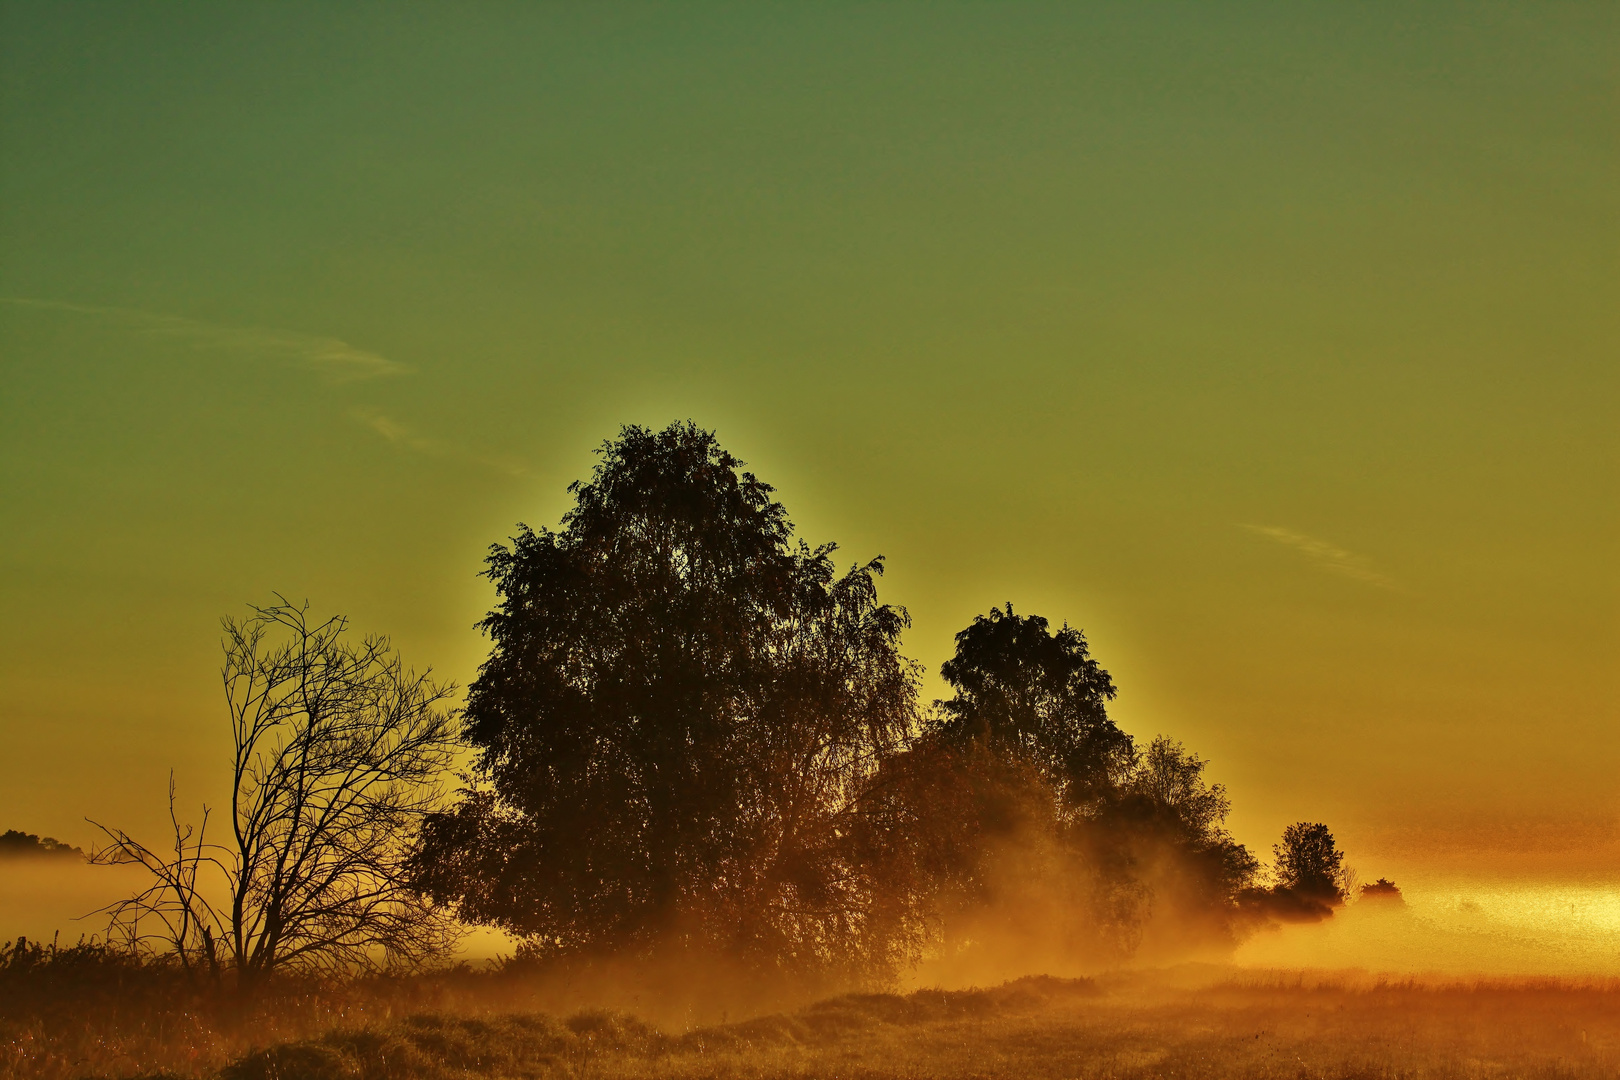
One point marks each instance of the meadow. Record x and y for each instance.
(1192, 1021)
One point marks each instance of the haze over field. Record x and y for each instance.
(1272, 346)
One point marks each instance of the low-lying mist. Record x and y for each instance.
(1028, 925)
(1045, 908)
(1458, 926)
(42, 898)
(1506, 975)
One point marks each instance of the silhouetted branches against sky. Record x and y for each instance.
(339, 750)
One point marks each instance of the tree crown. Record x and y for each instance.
(1308, 860)
(1024, 686)
(677, 707)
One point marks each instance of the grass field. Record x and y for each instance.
(1192, 1023)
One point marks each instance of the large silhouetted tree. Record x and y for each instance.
(1037, 692)
(677, 708)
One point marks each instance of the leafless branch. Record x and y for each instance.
(338, 751)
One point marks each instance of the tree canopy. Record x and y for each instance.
(14, 843)
(696, 732)
(696, 735)
(1309, 862)
(678, 705)
(1039, 692)
(1165, 821)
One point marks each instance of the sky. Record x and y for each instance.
(1273, 345)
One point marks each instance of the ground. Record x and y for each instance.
(1189, 1024)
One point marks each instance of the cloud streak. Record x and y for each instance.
(400, 435)
(1325, 556)
(332, 358)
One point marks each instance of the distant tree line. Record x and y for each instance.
(17, 844)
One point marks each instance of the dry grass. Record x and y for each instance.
(92, 1011)
(1191, 1023)
(1280, 1027)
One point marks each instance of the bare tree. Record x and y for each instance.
(339, 749)
(185, 921)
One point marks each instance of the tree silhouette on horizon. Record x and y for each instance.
(1309, 862)
(1039, 692)
(14, 843)
(677, 708)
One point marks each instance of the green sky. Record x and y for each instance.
(1273, 345)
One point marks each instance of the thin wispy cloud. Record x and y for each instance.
(1325, 556)
(334, 359)
(402, 436)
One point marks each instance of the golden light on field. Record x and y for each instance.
(1469, 927)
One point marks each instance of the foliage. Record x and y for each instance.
(696, 735)
(1040, 695)
(1383, 890)
(927, 829)
(1027, 800)
(1165, 799)
(338, 750)
(970, 842)
(17, 844)
(676, 712)
(1309, 862)
(1167, 782)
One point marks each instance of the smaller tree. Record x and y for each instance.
(1382, 891)
(1038, 694)
(1166, 802)
(1170, 778)
(1309, 862)
(338, 751)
